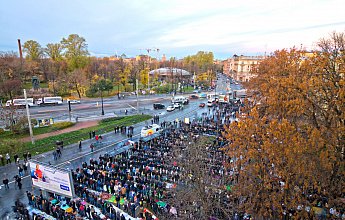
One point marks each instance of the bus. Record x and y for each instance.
(49, 101)
(214, 96)
(180, 99)
(20, 102)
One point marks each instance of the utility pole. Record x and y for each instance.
(137, 98)
(29, 120)
(194, 80)
(69, 109)
(148, 81)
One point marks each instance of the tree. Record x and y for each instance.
(10, 66)
(200, 192)
(101, 85)
(54, 51)
(77, 80)
(31, 69)
(11, 87)
(143, 76)
(75, 51)
(74, 46)
(33, 50)
(289, 152)
(10, 116)
(22, 125)
(124, 77)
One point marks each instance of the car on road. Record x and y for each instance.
(158, 106)
(170, 108)
(177, 105)
(201, 105)
(193, 97)
(210, 103)
(73, 101)
(203, 96)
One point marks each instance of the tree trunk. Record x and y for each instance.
(76, 86)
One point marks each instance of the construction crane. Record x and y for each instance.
(156, 49)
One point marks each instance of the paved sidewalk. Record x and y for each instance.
(79, 125)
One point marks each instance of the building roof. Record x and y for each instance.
(167, 71)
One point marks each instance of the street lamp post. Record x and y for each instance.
(102, 100)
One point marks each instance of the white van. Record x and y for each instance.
(180, 99)
(20, 102)
(210, 103)
(49, 101)
(150, 130)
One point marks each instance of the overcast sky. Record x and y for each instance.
(177, 27)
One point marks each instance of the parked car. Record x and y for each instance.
(74, 101)
(202, 105)
(193, 97)
(158, 106)
(177, 105)
(170, 108)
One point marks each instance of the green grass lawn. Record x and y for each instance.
(29, 85)
(36, 131)
(49, 143)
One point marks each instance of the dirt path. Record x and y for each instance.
(79, 125)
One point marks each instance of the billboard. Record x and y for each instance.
(51, 179)
(45, 122)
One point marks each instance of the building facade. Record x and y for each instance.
(240, 67)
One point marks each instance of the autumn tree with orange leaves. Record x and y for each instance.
(289, 153)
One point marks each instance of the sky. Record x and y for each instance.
(178, 28)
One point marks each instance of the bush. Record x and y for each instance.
(162, 89)
(62, 125)
(2, 131)
(22, 125)
(104, 120)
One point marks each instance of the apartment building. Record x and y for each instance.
(239, 67)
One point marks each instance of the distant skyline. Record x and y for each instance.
(177, 27)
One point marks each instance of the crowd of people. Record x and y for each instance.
(141, 180)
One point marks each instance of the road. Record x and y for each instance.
(72, 157)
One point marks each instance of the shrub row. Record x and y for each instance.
(62, 125)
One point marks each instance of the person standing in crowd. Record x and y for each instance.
(93, 134)
(91, 146)
(2, 160)
(25, 156)
(55, 154)
(5, 182)
(8, 158)
(15, 157)
(79, 144)
(90, 135)
(29, 155)
(20, 170)
(25, 167)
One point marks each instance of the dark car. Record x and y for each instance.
(158, 106)
(193, 97)
(202, 105)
